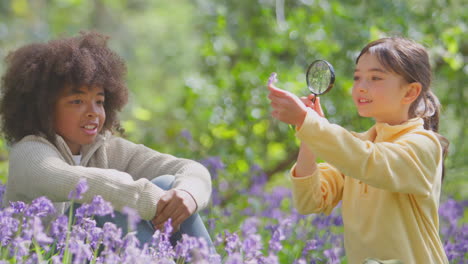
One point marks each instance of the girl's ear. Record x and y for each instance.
(412, 92)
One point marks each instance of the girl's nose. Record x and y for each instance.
(362, 87)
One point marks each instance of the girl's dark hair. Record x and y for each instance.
(36, 73)
(411, 61)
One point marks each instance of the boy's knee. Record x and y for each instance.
(164, 182)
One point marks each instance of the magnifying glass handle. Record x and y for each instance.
(313, 99)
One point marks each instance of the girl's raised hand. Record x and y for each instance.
(317, 106)
(287, 107)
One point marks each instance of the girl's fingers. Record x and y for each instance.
(306, 101)
(318, 107)
(277, 91)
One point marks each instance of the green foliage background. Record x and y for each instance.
(201, 66)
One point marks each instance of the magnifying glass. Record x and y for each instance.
(320, 77)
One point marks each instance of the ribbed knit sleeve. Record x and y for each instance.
(37, 169)
(144, 163)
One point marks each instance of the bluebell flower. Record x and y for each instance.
(252, 246)
(250, 226)
(450, 211)
(80, 189)
(18, 207)
(111, 238)
(133, 218)
(333, 255)
(98, 207)
(59, 230)
(8, 226)
(19, 247)
(57, 259)
(235, 258)
(275, 241)
(95, 237)
(108, 256)
(232, 242)
(183, 247)
(258, 180)
(161, 241)
(40, 207)
(214, 165)
(38, 232)
(80, 250)
(187, 135)
(300, 261)
(192, 249)
(270, 259)
(32, 259)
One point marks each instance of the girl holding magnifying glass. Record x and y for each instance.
(388, 178)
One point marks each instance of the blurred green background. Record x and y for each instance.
(197, 69)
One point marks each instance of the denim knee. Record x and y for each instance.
(164, 182)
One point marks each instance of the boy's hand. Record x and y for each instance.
(287, 107)
(176, 204)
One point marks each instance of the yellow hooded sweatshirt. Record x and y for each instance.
(389, 181)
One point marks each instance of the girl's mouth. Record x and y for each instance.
(364, 101)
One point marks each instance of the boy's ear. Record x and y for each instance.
(412, 92)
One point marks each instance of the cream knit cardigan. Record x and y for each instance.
(117, 169)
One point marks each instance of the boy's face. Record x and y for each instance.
(79, 115)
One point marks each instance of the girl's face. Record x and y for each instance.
(79, 115)
(379, 93)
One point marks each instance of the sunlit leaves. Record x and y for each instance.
(20, 7)
(201, 66)
(142, 114)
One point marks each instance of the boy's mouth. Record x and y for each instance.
(90, 129)
(90, 126)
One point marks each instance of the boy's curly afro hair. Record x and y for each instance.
(37, 72)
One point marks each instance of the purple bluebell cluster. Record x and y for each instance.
(257, 225)
(454, 230)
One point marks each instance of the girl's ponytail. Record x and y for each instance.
(428, 108)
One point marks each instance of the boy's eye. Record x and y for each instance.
(356, 78)
(77, 101)
(376, 78)
(100, 102)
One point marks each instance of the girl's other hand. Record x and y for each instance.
(287, 107)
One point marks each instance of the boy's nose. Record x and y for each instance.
(92, 110)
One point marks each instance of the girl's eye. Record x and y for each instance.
(77, 101)
(356, 78)
(376, 78)
(100, 102)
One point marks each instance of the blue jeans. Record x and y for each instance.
(192, 226)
